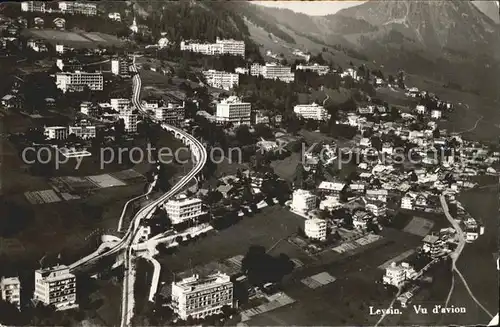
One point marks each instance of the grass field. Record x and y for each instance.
(74, 39)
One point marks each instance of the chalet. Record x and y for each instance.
(378, 195)
(10, 101)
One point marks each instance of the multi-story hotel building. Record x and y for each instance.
(311, 111)
(183, 209)
(232, 110)
(56, 286)
(119, 104)
(120, 66)
(199, 297)
(10, 288)
(33, 6)
(82, 8)
(130, 119)
(397, 275)
(319, 69)
(84, 132)
(55, 132)
(315, 229)
(171, 114)
(273, 71)
(37, 45)
(88, 108)
(303, 200)
(221, 80)
(76, 81)
(232, 47)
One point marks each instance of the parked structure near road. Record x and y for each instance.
(10, 288)
(200, 297)
(56, 286)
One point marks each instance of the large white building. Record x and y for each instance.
(37, 45)
(130, 119)
(319, 69)
(315, 229)
(232, 110)
(199, 297)
(10, 288)
(87, 108)
(55, 132)
(232, 47)
(76, 81)
(221, 80)
(172, 114)
(119, 104)
(120, 66)
(183, 209)
(83, 132)
(273, 71)
(56, 286)
(397, 275)
(82, 8)
(303, 200)
(33, 6)
(311, 111)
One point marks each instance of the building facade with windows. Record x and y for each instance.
(55, 132)
(311, 111)
(318, 69)
(83, 132)
(221, 80)
(315, 229)
(119, 104)
(183, 209)
(199, 297)
(273, 71)
(120, 66)
(232, 110)
(82, 8)
(172, 114)
(33, 6)
(397, 275)
(10, 288)
(56, 286)
(221, 46)
(78, 80)
(303, 200)
(130, 119)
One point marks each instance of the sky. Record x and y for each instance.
(313, 8)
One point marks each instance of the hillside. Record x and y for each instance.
(489, 8)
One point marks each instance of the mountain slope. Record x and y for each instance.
(489, 8)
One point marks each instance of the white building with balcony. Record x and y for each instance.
(221, 80)
(199, 297)
(130, 119)
(55, 132)
(397, 275)
(303, 201)
(273, 71)
(56, 286)
(315, 229)
(83, 132)
(311, 111)
(119, 104)
(33, 6)
(221, 46)
(81, 8)
(10, 289)
(232, 110)
(76, 81)
(318, 69)
(436, 114)
(183, 209)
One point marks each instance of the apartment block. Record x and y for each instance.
(56, 286)
(171, 114)
(397, 275)
(315, 229)
(221, 80)
(119, 104)
(130, 119)
(55, 132)
(33, 6)
(232, 110)
(10, 288)
(183, 209)
(221, 46)
(88, 108)
(120, 66)
(311, 111)
(303, 200)
(273, 71)
(318, 69)
(78, 80)
(81, 8)
(199, 297)
(37, 45)
(83, 132)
